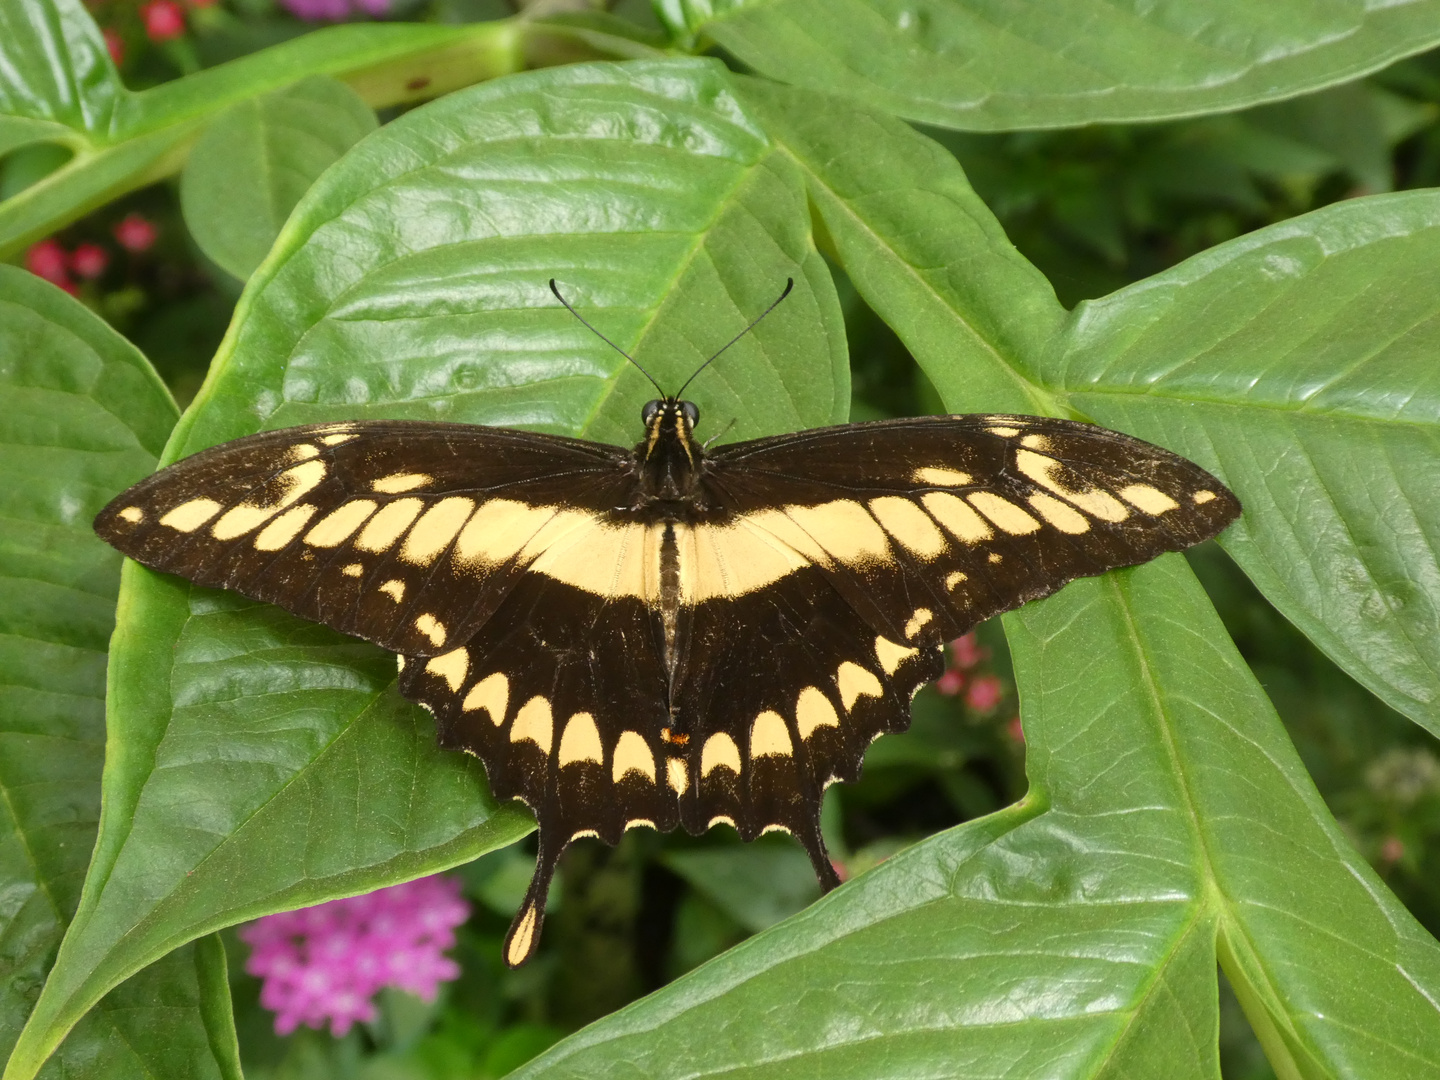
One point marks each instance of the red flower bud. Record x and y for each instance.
(89, 261)
(164, 20)
(47, 260)
(134, 232)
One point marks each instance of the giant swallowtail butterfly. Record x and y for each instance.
(664, 636)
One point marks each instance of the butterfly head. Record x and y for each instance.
(668, 423)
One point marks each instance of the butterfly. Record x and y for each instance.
(665, 635)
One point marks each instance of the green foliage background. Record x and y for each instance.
(1158, 238)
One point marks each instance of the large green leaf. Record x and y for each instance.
(1075, 934)
(1299, 361)
(83, 413)
(254, 162)
(1294, 362)
(993, 65)
(258, 762)
(57, 84)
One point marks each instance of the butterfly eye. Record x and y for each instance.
(692, 414)
(648, 412)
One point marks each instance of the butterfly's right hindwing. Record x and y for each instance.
(406, 534)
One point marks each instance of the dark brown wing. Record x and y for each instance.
(405, 534)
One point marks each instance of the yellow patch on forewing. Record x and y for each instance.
(395, 483)
(133, 514)
(677, 775)
(492, 694)
(189, 516)
(581, 741)
(342, 435)
(813, 710)
(954, 578)
(776, 524)
(891, 655)
(733, 560)
(855, 682)
(720, 750)
(354, 569)
(1096, 502)
(582, 550)
(284, 528)
(1004, 513)
(1036, 442)
(845, 529)
(395, 589)
(382, 530)
(919, 619)
(298, 482)
(432, 628)
(911, 526)
(1061, 515)
(632, 755)
(769, 737)
(957, 516)
(498, 530)
(940, 476)
(335, 527)
(1149, 499)
(1203, 497)
(452, 667)
(304, 451)
(533, 722)
(524, 934)
(436, 528)
(1004, 431)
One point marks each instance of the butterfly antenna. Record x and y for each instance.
(789, 284)
(602, 337)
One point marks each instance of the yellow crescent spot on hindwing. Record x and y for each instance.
(720, 751)
(395, 589)
(855, 682)
(891, 655)
(581, 741)
(492, 694)
(452, 666)
(919, 619)
(813, 710)
(534, 723)
(769, 736)
(632, 755)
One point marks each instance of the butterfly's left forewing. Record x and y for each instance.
(406, 534)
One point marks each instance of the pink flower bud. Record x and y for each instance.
(134, 232)
(115, 45)
(164, 20)
(89, 261)
(1392, 850)
(48, 260)
(984, 693)
(950, 683)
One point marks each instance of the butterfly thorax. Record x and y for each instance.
(668, 464)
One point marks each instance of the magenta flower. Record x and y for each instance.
(327, 962)
(333, 10)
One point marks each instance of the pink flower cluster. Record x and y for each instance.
(982, 692)
(334, 10)
(327, 962)
(49, 259)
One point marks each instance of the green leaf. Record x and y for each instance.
(57, 84)
(84, 413)
(1293, 362)
(1074, 935)
(259, 762)
(756, 886)
(981, 66)
(255, 161)
(1297, 362)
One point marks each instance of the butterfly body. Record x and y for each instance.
(664, 636)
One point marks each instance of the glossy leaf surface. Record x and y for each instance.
(254, 162)
(260, 762)
(983, 65)
(83, 412)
